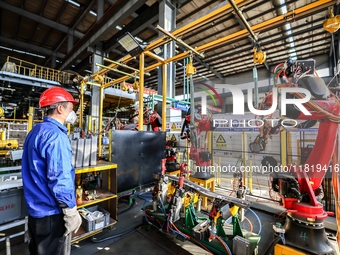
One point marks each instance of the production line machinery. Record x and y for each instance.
(298, 185)
(176, 211)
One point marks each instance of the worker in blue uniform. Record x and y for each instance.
(48, 177)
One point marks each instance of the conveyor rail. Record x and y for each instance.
(206, 192)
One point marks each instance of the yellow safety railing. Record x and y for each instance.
(22, 67)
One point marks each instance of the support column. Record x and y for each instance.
(97, 57)
(100, 8)
(167, 20)
(95, 102)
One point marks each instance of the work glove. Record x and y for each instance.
(72, 220)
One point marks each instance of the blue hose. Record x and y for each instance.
(258, 219)
(145, 198)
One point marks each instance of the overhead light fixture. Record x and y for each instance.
(74, 3)
(119, 27)
(158, 50)
(93, 13)
(130, 44)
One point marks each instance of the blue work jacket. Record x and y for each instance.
(47, 171)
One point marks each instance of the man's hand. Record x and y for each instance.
(72, 220)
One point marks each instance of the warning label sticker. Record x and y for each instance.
(173, 138)
(221, 142)
(220, 139)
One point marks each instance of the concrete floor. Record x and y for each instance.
(138, 241)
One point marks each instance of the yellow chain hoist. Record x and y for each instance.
(332, 24)
(135, 84)
(259, 56)
(124, 87)
(190, 69)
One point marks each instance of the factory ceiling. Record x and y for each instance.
(63, 34)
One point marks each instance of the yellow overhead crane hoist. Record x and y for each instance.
(190, 69)
(124, 87)
(332, 24)
(259, 56)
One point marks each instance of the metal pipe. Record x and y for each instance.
(243, 19)
(8, 245)
(256, 88)
(81, 104)
(283, 142)
(89, 124)
(164, 97)
(154, 56)
(110, 145)
(188, 47)
(101, 99)
(126, 66)
(30, 119)
(118, 71)
(141, 92)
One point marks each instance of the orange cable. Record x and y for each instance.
(250, 224)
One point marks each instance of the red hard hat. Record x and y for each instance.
(55, 95)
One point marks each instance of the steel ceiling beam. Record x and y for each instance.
(213, 14)
(40, 19)
(217, 33)
(298, 13)
(17, 27)
(274, 53)
(195, 11)
(80, 17)
(137, 25)
(26, 47)
(246, 47)
(219, 11)
(275, 22)
(105, 25)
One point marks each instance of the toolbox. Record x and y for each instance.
(90, 222)
(12, 203)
